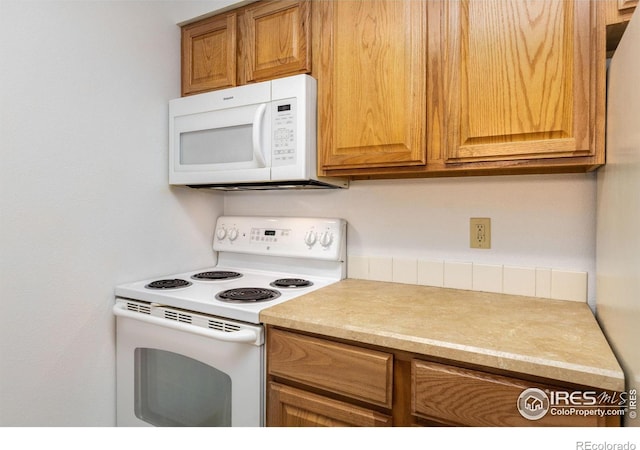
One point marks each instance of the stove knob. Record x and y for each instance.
(221, 233)
(326, 239)
(310, 238)
(233, 234)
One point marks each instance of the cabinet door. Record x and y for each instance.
(209, 54)
(518, 80)
(291, 407)
(275, 40)
(371, 71)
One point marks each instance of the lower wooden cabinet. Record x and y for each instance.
(317, 381)
(291, 407)
(346, 370)
(455, 396)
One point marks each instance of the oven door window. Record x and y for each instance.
(175, 390)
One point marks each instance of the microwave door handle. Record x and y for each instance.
(258, 118)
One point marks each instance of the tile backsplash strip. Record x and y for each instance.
(530, 281)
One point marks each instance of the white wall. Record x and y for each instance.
(84, 199)
(188, 11)
(537, 220)
(618, 219)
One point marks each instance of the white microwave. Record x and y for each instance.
(258, 136)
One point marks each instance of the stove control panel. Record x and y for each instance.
(270, 236)
(296, 237)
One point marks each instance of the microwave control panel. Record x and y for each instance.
(284, 132)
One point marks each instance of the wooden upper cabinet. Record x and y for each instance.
(370, 62)
(617, 14)
(275, 40)
(518, 80)
(618, 11)
(258, 42)
(209, 54)
(626, 4)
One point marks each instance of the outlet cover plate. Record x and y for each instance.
(480, 232)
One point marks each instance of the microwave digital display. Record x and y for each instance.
(284, 107)
(269, 232)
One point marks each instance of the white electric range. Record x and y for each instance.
(198, 333)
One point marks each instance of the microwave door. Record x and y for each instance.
(223, 146)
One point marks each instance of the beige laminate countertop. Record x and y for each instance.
(554, 339)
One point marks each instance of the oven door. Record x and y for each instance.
(174, 373)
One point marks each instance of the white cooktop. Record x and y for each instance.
(200, 295)
(263, 250)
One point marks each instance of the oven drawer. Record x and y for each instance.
(343, 369)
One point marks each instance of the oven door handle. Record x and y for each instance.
(240, 336)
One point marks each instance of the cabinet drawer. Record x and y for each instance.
(348, 370)
(291, 407)
(457, 396)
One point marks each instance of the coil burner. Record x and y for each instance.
(216, 275)
(245, 295)
(174, 283)
(291, 283)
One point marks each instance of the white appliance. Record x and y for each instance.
(190, 346)
(258, 136)
(618, 216)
